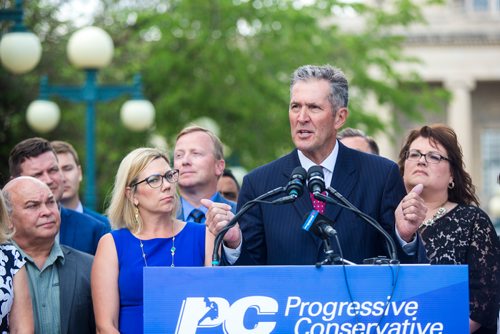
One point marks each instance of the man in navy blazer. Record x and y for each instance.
(273, 234)
(71, 168)
(199, 157)
(35, 157)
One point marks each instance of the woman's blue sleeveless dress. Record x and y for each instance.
(189, 252)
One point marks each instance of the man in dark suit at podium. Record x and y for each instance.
(273, 234)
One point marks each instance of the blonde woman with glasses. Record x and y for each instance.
(455, 230)
(146, 233)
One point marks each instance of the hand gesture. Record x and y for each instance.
(217, 217)
(410, 213)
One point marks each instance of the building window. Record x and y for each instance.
(490, 147)
(480, 5)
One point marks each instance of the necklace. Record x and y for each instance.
(439, 213)
(172, 249)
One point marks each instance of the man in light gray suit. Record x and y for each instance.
(59, 276)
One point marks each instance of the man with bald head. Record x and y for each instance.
(35, 157)
(59, 276)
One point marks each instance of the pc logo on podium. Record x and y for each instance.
(211, 312)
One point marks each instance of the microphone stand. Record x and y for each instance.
(348, 205)
(220, 236)
(331, 257)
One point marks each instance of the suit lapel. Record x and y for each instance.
(67, 283)
(303, 204)
(66, 231)
(344, 178)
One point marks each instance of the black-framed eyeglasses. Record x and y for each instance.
(430, 157)
(156, 180)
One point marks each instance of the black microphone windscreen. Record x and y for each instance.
(299, 173)
(315, 179)
(297, 181)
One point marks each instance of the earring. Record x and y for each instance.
(136, 213)
(451, 185)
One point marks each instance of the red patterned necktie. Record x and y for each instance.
(317, 205)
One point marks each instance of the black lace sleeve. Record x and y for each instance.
(483, 258)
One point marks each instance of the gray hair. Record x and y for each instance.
(339, 86)
(7, 201)
(350, 132)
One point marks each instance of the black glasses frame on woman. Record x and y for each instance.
(429, 157)
(156, 180)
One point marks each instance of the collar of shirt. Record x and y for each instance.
(56, 254)
(328, 164)
(79, 207)
(187, 207)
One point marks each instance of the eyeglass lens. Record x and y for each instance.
(430, 157)
(156, 181)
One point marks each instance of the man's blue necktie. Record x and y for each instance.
(196, 216)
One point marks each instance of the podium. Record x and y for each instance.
(376, 299)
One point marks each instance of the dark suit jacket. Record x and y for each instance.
(80, 231)
(77, 313)
(98, 216)
(273, 234)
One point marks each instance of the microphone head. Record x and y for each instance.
(315, 179)
(299, 173)
(318, 224)
(297, 181)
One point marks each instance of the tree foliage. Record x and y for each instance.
(227, 60)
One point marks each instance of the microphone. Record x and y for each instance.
(348, 205)
(316, 180)
(294, 188)
(319, 225)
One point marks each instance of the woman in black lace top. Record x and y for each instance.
(456, 230)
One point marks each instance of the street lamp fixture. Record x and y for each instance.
(90, 49)
(20, 50)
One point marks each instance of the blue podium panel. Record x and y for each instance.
(406, 299)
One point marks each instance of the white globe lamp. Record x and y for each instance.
(90, 48)
(20, 52)
(137, 115)
(43, 116)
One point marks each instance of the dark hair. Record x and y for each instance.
(339, 86)
(28, 148)
(373, 145)
(229, 173)
(464, 191)
(350, 132)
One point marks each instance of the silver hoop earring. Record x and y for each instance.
(451, 185)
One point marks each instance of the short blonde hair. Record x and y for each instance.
(121, 208)
(218, 147)
(5, 231)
